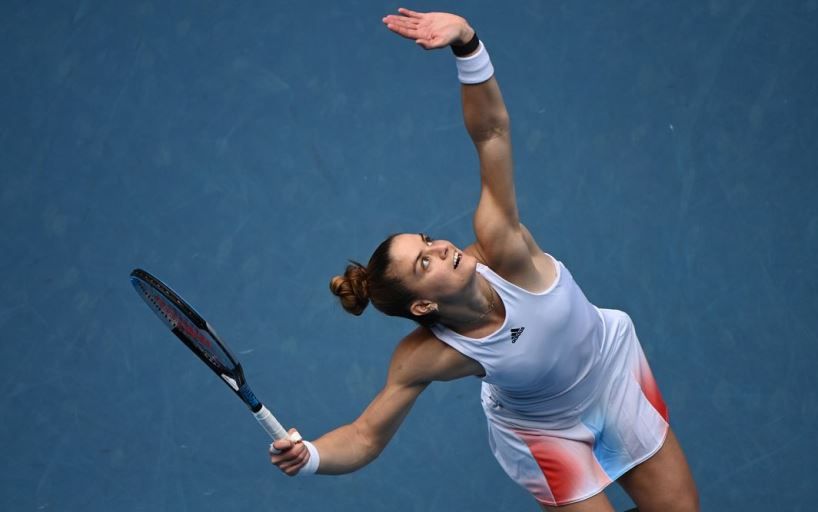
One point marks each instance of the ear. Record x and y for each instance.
(422, 307)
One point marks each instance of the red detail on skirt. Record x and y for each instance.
(569, 467)
(651, 389)
(562, 473)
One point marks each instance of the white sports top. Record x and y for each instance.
(540, 363)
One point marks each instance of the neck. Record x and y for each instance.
(482, 307)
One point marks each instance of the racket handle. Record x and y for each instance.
(270, 424)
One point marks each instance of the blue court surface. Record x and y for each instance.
(243, 151)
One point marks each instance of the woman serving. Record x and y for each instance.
(569, 397)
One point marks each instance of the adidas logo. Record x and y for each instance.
(516, 333)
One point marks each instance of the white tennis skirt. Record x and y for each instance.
(626, 425)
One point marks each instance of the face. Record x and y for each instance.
(434, 270)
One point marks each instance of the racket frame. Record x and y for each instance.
(191, 335)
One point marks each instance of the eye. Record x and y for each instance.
(424, 263)
(428, 239)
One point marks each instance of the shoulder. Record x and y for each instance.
(519, 260)
(516, 247)
(421, 358)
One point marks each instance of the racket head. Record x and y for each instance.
(191, 329)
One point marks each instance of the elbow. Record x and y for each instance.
(496, 126)
(371, 451)
(500, 124)
(370, 445)
(503, 121)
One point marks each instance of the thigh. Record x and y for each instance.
(663, 482)
(598, 503)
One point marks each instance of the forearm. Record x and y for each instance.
(355, 445)
(344, 450)
(484, 111)
(487, 122)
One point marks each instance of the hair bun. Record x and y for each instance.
(352, 288)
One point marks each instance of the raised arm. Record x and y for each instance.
(496, 219)
(418, 360)
(502, 242)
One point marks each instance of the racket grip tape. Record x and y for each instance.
(270, 424)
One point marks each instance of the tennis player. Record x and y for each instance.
(569, 397)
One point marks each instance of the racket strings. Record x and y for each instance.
(150, 297)
(185, 323)
(171, 295)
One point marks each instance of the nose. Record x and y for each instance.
(439, 248)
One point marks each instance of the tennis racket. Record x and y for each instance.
(199, 336)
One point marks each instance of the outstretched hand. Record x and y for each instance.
(429, 29)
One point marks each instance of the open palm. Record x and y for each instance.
(429, 29)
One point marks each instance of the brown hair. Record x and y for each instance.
(359, 285)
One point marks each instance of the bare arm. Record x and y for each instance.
(419, 359)
(502, 242)
(355, 445)
(496, 219)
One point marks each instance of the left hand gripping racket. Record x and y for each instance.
(200, 337)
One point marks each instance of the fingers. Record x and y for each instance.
(402, 26)
(396, 22)
(294, 435)
(401, 20)
(282, 445)
(289, 457)
(293, 466)
(404, 32)
(411, 14)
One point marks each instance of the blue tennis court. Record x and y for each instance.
(244, 151)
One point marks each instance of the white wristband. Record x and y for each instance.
(476, 68)
(312, 463)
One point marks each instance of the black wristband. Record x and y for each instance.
(461, 50)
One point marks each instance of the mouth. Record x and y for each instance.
(456, 259)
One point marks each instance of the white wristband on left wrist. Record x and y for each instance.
(476, 68)
(312, 463)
